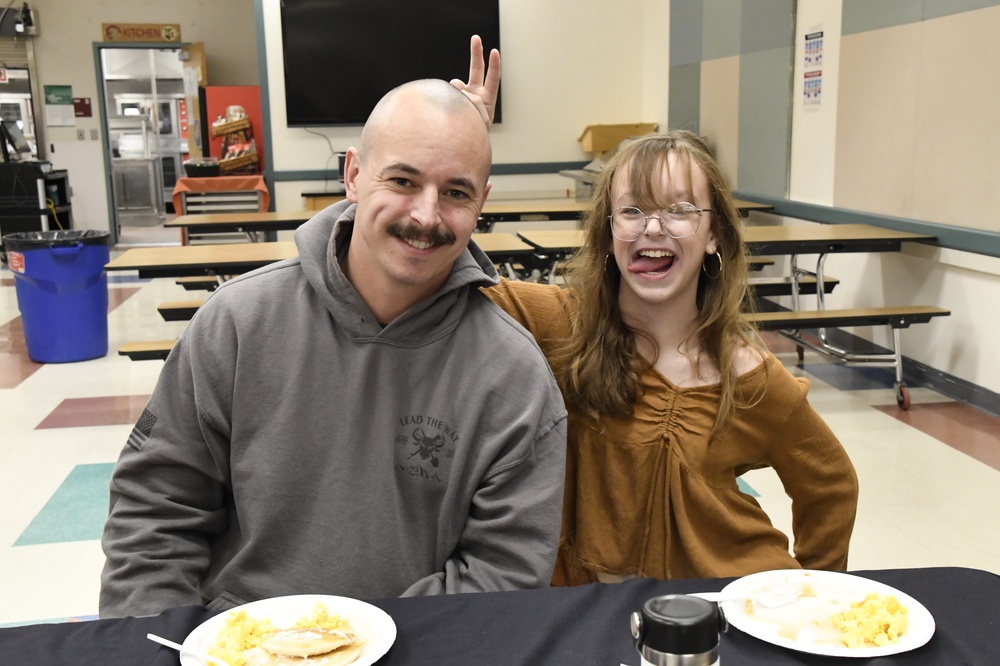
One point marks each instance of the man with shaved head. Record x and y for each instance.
(419, 179)
(359, 421)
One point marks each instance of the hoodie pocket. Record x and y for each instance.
(225, 601)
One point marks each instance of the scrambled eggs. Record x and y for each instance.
(243, 632)
(878, 620)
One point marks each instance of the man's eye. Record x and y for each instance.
(458, 194)
(400, 181)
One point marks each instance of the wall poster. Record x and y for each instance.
(812, 71)
(59, 106)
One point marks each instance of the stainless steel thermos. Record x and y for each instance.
(678, 630)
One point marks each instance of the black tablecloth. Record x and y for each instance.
(573, 626)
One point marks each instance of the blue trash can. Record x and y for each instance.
(62, 292)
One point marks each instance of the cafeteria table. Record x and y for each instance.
(768, 239)
(771, 239)
(499, 210)
(495, 210)
(587, 625)
(248, 223)
(191, 260)
(507, 250)
(525, 210)
(235, 258)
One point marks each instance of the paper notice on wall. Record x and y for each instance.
(812, 89)
(59, 109)
(192, 75)
(812, 71)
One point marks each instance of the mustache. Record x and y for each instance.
(436, 235)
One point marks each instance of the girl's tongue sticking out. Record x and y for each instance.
(651, 261)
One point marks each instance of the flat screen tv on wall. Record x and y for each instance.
(341, 56)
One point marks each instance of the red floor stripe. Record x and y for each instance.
(100, 411)
(961, 427)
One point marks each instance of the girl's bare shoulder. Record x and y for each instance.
(747, 358)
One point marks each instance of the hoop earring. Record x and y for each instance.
(716, 276)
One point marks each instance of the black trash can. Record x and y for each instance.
(62, 292)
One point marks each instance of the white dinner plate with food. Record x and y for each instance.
(807, 624)
(367, 631)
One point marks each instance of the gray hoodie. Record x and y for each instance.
(294, 445)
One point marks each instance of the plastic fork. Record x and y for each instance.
(200, 656)
(782, 595)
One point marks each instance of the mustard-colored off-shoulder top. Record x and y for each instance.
(647, 495)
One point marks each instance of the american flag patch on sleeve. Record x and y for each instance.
(142, 429)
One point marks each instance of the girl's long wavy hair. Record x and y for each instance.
(600, 366)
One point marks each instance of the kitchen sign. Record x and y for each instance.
(141, 32)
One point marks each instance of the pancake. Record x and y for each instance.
(305, 642)
(339, 657)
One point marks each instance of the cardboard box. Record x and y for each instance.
(602, 138)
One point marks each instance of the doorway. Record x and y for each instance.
(17, 113)
(144, 112)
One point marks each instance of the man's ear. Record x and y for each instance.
(486, 193)
(352, 167)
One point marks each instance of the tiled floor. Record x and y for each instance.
(928, 476)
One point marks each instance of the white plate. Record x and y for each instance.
(285, 611)
(803, 625)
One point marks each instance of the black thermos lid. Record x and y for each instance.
(679, 624)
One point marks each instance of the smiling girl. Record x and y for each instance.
(671, 394)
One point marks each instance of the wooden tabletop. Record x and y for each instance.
(185, 260)
(270, 221)
(767, 239)
(826, 238)
(504, 208)
(501, 210)
(235, 258)
(494, 210)
(744, 207)
(497, 242)
(554, 240)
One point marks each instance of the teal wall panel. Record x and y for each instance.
(939, 8)
(684, 111)
(766, 25)
(685, 32)
(721, 25)
(761, 33)
(866, 15)
(765, 121)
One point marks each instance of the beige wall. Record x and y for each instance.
(908, 130)
(918, 108)
(566, 63)
(720, 112)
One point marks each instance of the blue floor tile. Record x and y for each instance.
(745, 488)
(76, 511)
